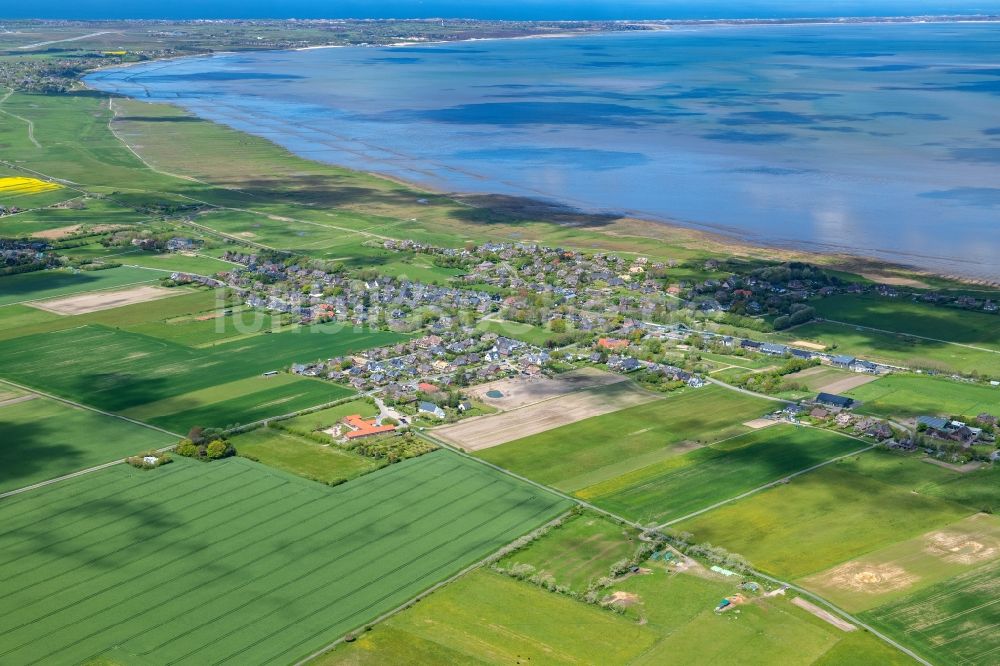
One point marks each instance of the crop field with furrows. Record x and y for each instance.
(116, 370)
(680, 485)
(953, 623)
(232, 562)
(604, 447)
(43, 438)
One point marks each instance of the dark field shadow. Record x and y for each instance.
(160, 119)
(507, 209)
(14, 285)
(118, 391)
(31, 453)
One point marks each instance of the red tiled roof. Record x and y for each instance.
(363, 428)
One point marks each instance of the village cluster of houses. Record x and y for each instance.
(317, 295)
(572, 275)
(465, 357)
(24, 252)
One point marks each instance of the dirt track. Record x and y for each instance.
(489, 431)
(848, 383)
(826, 616)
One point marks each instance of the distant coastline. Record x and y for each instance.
(909, 260)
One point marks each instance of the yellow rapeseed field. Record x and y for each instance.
(18, 185)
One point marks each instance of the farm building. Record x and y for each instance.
(951, 430)
(842, 361)
(362, 428)
(841, 401)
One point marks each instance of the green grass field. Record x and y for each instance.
(533, 335)
(207, 329)
(904, 568)
(298, 455)
(603, 447)
(324, 418)
(579, 551)
(52, 283)
(904, 396)
(116, 370)
(93, 212)
(905, 316)
(231, 561)
(978, 490)
(44, 438)
(22, 320)
(486, 618)
(276, 400)
(822, 518)
(896, 348)
(677, 486)
(951, 623)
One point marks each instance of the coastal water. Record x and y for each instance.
(876, 139)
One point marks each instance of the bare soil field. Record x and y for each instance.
(757, 424)
(805, 344)
(496, 429)
(848, 383)
(520, 391)
(870, 577)
(909, 566)
(826, 616)
(103, 300)
(62, 232)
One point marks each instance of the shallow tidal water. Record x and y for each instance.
(879, 140)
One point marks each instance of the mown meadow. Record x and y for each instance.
(677, 486)
(604, 447)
